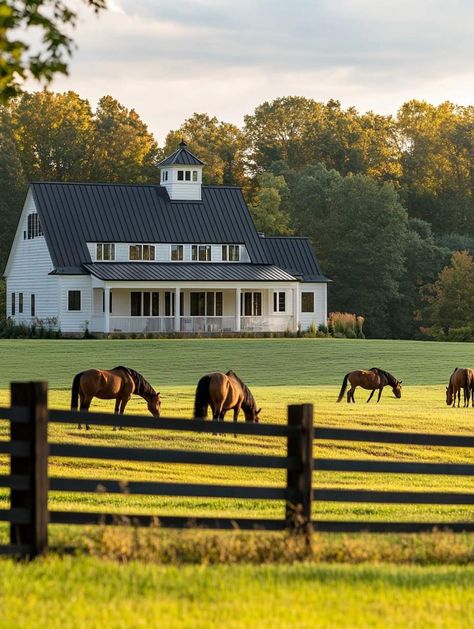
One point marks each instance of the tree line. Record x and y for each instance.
(386, 200)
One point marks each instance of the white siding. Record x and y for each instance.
(183, 190)
(319, 316)
(75, 321)
(27, 272)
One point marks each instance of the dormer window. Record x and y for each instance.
(230, 253)
(195, 175)
(164, 175)
(141, 252)
(177, 253)
(201, 253)
(105, 251)
(34, 226)
(180, 175)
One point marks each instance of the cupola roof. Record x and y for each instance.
(182, 157)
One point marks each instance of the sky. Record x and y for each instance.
(170, 58)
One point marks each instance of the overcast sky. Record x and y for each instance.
(171, 58)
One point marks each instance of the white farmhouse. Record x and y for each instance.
(175, 257)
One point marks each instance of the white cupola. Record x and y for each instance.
(181, 175)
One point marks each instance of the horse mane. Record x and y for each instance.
(249, 401)
(142, 386)
(392, 381)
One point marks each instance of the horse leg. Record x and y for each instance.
(117, 408)
(85, 404)
(236, 414)
(350, 395)
(123, 404)
(371, 396)
(380, 394)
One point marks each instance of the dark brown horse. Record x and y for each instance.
(118, 383)
(373, 379)
(224, 392)
(462, 379)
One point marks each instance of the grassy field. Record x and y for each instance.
(95, 591)
(85, 592)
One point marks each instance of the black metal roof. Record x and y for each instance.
(295, 255)
(182, 272)
(73, 214)
(182, 157)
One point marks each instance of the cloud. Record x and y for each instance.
(168, 59)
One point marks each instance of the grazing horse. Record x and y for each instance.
(461, 379)
(223, 392)
(119, 383)
(369, 379)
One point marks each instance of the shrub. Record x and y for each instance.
(346, 324)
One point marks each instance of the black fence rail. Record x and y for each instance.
(392, 467)
(28, 449)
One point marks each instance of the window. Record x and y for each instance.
(164, 175)
(135, 304)
(142, 252)
(169, 303)
(110, 302)
(251, 304)
(230, 253)
(180, 175)
(74, 300)
(177, 252)
(279, 301)
(206, 304)
(13, 304)
(33, 306)
(105, 251)
(201, 253)
(144, 304)
(307, 302)
(20, 303)
(187, 175)
(34, 226)
(195, 175)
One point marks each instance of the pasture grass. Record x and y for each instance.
(127, 577)
(86, 592)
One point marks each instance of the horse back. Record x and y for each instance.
(224, 391)
(106, 384)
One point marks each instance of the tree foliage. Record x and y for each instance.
(51, 18)
(452, 295)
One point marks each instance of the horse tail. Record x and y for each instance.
(75, 391)
(201, 399)
(344, 387)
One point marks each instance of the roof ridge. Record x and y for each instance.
(135, 185)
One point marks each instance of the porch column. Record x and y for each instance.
(107, 309)
(177, 310)
(237, 309)
(296, 311)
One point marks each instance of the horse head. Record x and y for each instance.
(252, 414)
(154, 404)
(397, 389)
(449, 396)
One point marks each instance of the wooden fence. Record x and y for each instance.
(29, 482)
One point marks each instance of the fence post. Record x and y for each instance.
(300, 445)
(34, 533)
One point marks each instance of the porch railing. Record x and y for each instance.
(141, 325)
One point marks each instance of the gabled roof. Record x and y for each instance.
(73, 214)
(182, 272)
(182, 156)
(294, 255)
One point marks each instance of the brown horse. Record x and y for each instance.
(370, 379)
(119, 383)
(223, 392)
(461, 379)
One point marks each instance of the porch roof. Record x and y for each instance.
(182, 272)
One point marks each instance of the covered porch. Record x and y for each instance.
(148, 308)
